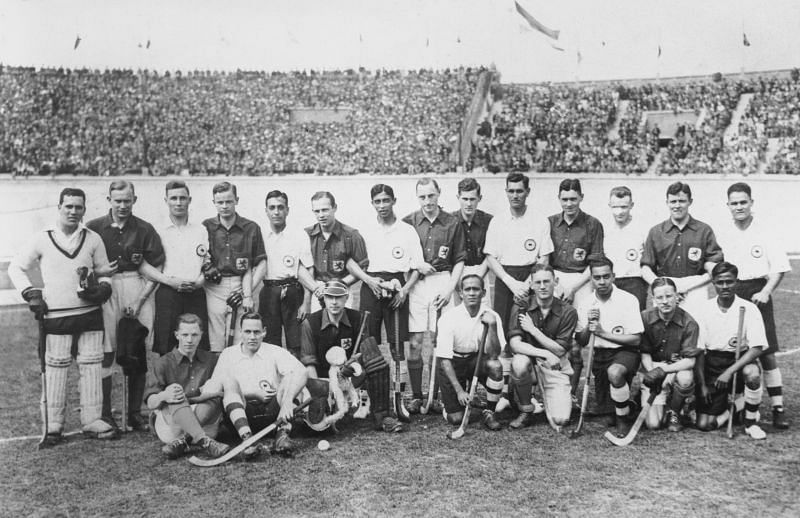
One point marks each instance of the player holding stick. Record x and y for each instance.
(714, 369)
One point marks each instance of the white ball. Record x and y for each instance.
(323, 445)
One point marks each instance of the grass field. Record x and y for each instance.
(420, 473)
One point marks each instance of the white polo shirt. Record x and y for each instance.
(518, 241)
(461, 333)
(286, 251)
(624, 246)
(618, 315)
(394, 248)
(718, 328)
(756, 250)
(258, 376)
(185, 249)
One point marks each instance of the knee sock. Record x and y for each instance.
(378, 389)
(506, 363)
(493, 391)
(522, 388)
(620, 396)
(238, 417)
(752, 399)
(774, 382)
(415, 377)
(106, 383)
(136, 384)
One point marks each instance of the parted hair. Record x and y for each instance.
(661, 282)
(428, 181)
(538, 267)
(224, 187)
(188, 318)
(71, 191)
(251, 315)
(121, 185)
(468, 185)
(724, 267)
(277, 194)
(176, 184)
(600, 262)
(570, 184)
(471, 276)
(379, 188)
(620, 191)
(740, 187)
(324, 194)
(679, 187)
(518, 177)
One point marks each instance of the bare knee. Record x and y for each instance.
(617, 375)
(494, 369)
(684, 379)
(455, 418)
(654, 417)
(706, 423)
(752, 376)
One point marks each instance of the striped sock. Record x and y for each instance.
(774, 382)
(752, 399)
(238, 417)
(493, 391)
(620, 396)
(505, 361)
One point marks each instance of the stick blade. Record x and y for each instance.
(400, 408)
(616, 441)
(457, 434)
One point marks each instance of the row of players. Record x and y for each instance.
(407, 268)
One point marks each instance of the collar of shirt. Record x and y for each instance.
(316, 229)
(236, 222)
(419, 217)
(67, 241)
(241, 355)
(108, 222)
(577, 221)
(480, 218)
(556, 308)
(180, 357)
(668, 225)
(326, 322)
(651, 317)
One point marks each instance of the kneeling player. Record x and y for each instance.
(181, 413)
(714, 370)
(261, 382)
(337, 326)
(669, 348)
(460, 331)
(542, 333)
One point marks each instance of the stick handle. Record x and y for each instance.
(739, 338)
(474, 383)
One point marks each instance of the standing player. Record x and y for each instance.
(72, 318)
(260, 382)
(669, 348)
(714, 369)
(338, 249)
(612, 315)
(457, 343)
(283, 303)
(132, 245)
(335, 325)
(475, 223)
(180, 414)
(237, 248)
(623, 244)
(683, 249)
(762, 262)
(181, 282)
(577, 239)
(394, 254)
(443, 252)
(542, 333)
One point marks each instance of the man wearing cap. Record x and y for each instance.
(337, 326)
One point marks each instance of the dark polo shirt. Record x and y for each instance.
(318, 334)
(475, 235)
(237, 249)
(331, 255)
(558, 325)
(174, 367)
(672, 252)
(669, 341)
(130, 245)
(443, 240)
(576, 244)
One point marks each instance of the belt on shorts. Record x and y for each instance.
(289, 281)
(464, 356)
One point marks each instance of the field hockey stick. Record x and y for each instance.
(399, 406)
(739, 338)
(459, 433)
(42, 350)
(233, 302)
(124, 403)
(432, 377)
(357, 345)
(624, 441)
(206, 463)
(540, 384)
(585, 397)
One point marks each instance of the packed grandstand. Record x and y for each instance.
(55, 121)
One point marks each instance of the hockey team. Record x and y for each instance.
(254, 322)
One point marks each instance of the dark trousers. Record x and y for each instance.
(170, 304)
(380, 312)
(278, 304)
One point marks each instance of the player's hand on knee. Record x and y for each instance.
(175, 394)
(654, 379)
(36, 303)
(463, 397)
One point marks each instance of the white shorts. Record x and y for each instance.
(421, 315)
(125, 290)
(557, 392)
(167, 431)
(219, 312)
(567, 280)
(661, 398)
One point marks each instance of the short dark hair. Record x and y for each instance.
(277, 194)
(518, 177)
(599, 262)
(570, 184)
(188, 318)
(71, 191)
(379, 188)
(471, 276)
(740, 187)
(428, 181)
(324, 194)
(176, 184)
(469, 184)
(121, 185)
(662, 281)
(679, 187)
(251, 315)
(724, 267)
(620, 191)
(539, 267)
(224, 187)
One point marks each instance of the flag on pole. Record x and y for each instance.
(659, 51)
(148, 44)
(745, 41)
(77, 42)
(536, 24)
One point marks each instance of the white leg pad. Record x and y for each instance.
(90, 358)
(57, 360)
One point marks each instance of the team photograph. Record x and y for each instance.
(388, 258)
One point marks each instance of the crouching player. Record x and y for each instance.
(714, 370)
(260, 383)
(669, 348)
(542, 333)
(180, 412)
(460, 331)
(337, 326)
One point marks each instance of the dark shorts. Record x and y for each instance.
(278, 303)
(503, 298)
(715, 364)
(603, 359)
(636, 286)
(380, 312)
(746, 290)
(465, 369)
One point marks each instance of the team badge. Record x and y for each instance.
(337, 266)
(269, 390)
(579, 254)
(530, 245)
(757, 251)
(732, 342)
(398, 252)
(346, 343)
(617, 330)
(694, 254)
(201, 251)
(632, 254)
(136, 258)
(288, 261)
(443, 250)
(242, 263)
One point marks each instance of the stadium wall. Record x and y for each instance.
(30, 204)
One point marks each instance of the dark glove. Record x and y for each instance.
(211, 273)
(33, 296)
(235, 299)
(654, 379)
(348, 371)
(96, 294)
